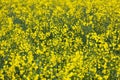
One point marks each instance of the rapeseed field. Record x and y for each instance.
(59, 39)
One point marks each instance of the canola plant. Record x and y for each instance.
(59, 39)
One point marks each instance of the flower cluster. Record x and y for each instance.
(59, 40)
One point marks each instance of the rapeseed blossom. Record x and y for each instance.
(59, 39)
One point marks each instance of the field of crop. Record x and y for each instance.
(59, 39)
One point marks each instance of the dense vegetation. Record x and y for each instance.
(59, 39)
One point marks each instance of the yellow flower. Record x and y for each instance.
(106, 77)
(22, 71)
(53, 59)
(104, 71)
(36, 77)
(1, 52)
(39, 51)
